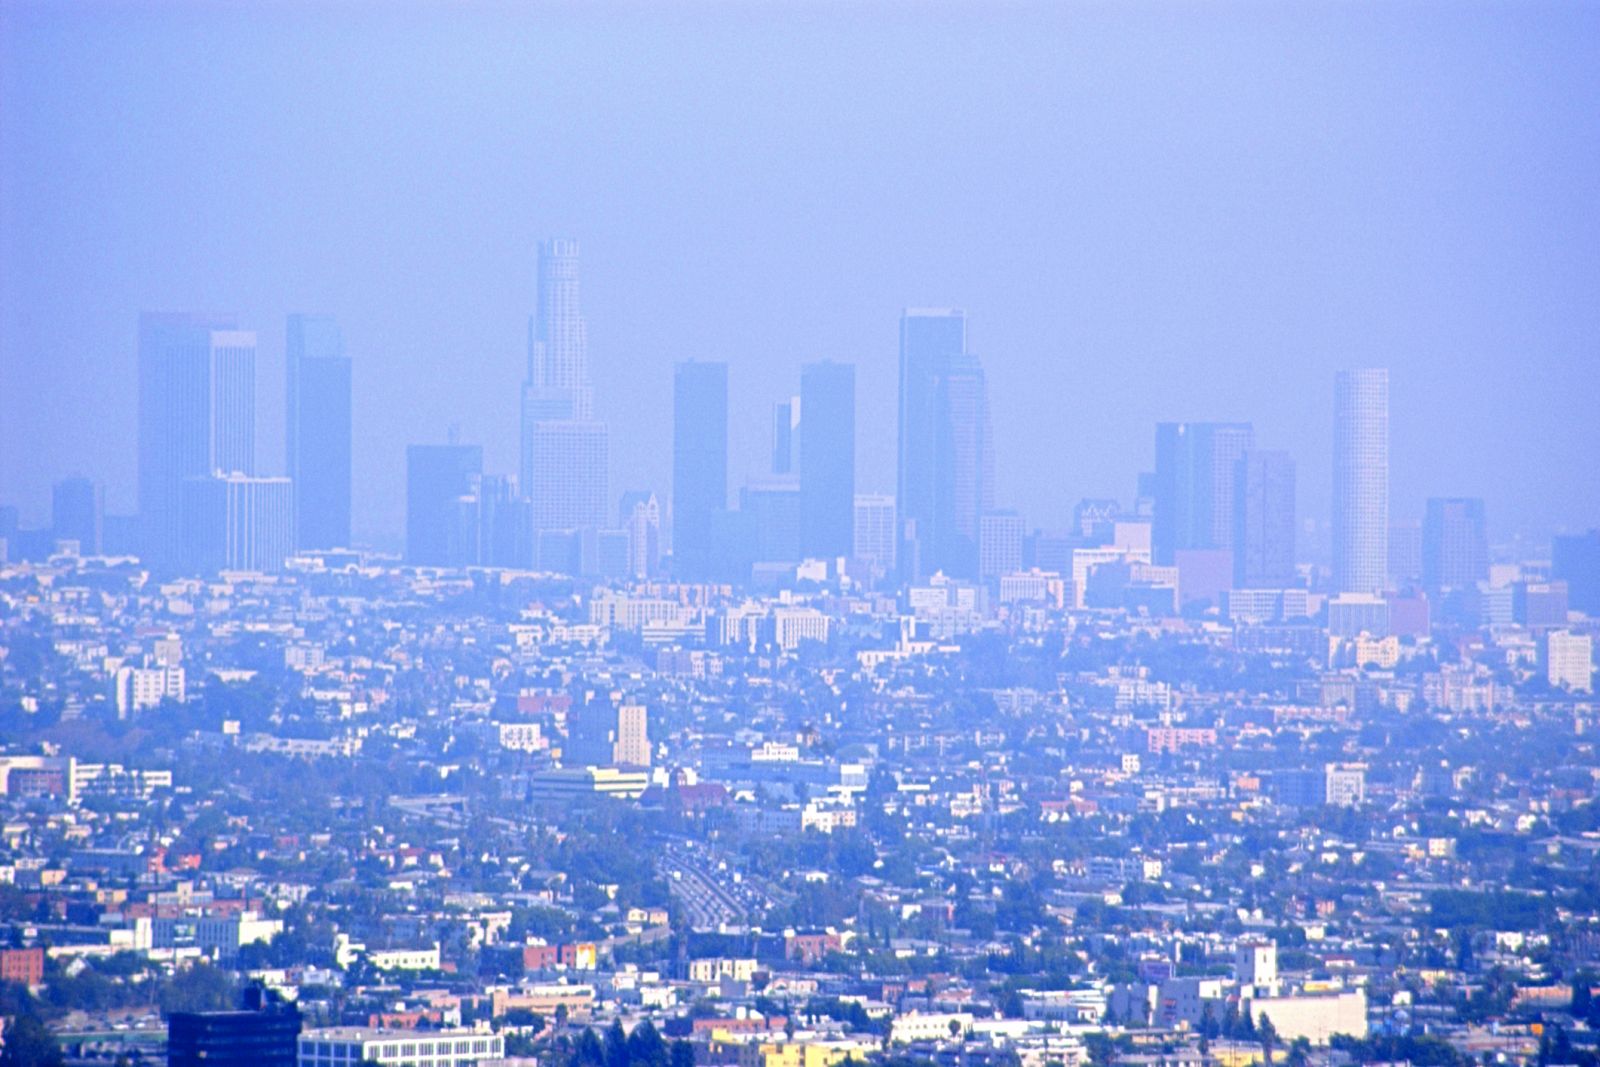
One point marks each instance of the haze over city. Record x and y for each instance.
(1148, 212)
(869, 534)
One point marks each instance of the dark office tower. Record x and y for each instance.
(737, 543)
(1575, 559)
(785, 435)
(464, 536)
(504, 524)
(591, 733)
(828, 459)
(120, 535)
(265, 1034)
(930, 338)
(1194, 485)
(438, 477)
(772, 510)
(964, 490)
(1540, 604)
(945, 482)
(1405, 553)
(1361, 480)
(1455, 544)
(1263, 521)
(318, 431)
(699, 462)
(196, 416)
(77, 513)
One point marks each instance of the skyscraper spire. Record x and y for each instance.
(558, 340)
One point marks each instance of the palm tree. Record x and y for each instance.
(1269, 1038)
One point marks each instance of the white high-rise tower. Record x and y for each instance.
(1361, 480)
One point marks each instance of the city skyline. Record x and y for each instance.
(703, 534)
(1322, 274)
(1361, 399)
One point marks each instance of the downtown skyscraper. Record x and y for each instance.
(1361, 480)
(1455, 543)
(565, 452)
(558, 336)
(1263, 520)
(237, 522)
(442, 485)
(197, 393)
(318, 431)
(946, 463)
(699, 463)
(1194, 486)
(77, 513)
(828, 459)
(785, 435)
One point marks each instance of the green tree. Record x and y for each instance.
(1102, 1050)
(1582, 996)
(587, 1051)
(202, 987)
(29, 1043)
(1268, 1035)
(616, 1045)
(646, 1047)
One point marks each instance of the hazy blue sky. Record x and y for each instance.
(1184, 211)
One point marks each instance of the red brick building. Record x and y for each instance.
(25, 965)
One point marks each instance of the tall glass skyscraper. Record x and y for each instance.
(197, 392)
(565, 451)
(828, 459)
(699, 462)
(318, 430)
(558, 337)
(1194, 485)
(945, 478)
(1361, 480)
(1263, 525)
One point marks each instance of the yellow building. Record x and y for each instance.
(801, 1053)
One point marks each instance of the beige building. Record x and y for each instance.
(632, 746)
(1314, 1017)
